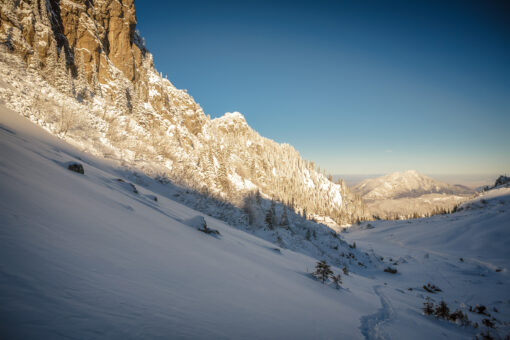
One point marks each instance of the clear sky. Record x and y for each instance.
(358, 86)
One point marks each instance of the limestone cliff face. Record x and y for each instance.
(91, 34)
(94, 45)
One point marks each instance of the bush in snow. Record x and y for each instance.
(459, 317)
(431, 288)
(345, 270)
(486, 335)
(480, 309)
(200, 223)
(337, 280)
(207, 230)
(76, 167)
(488, 323)
(428, 307)
(322, 271)
(442, 311)
(390, 270)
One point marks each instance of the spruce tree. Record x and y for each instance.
(322, 271)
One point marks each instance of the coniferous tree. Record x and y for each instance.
(258, 198)
(285, 219)
(322, 271)
(269, 219)
(337, 280)
(442, 310)
(428, 307)
(223, 180)
(308, 234)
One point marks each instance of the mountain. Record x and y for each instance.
(406, 184)
(80, 70)
(113, 254)
(409, 194)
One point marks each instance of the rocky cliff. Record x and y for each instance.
(80, 69)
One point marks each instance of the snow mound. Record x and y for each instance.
(197, 222)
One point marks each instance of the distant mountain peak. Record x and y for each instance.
(408, 183)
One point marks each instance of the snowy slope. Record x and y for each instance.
(84, 256)
(466, 254)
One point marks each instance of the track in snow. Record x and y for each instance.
(371, 325)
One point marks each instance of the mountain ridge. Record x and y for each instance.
(80, 69)
(410, 194)
(409, 183)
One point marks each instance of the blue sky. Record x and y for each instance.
(357, 87)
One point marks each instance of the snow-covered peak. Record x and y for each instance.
(235, 116)
(409, 183)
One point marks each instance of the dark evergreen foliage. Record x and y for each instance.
(322, 271)
(76, 167)
(442, 311)
(428, 307)
(337, 280)
(390, 270)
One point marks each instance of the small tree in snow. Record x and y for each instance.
(322, 271)
(428, 307)
(442, 310)
(345, 270)
(337, 280)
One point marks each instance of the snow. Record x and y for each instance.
(430, 250)
(82, 256)
(85, 256)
